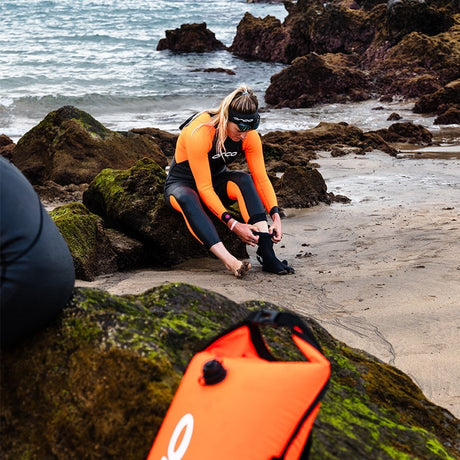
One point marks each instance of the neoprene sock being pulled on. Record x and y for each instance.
(266, 256)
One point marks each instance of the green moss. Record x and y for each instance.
(437, 449)
(80, 229)
(119, 188)
(101, 379)
(49, 126)
(96, 129)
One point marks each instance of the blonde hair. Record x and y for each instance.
(242, 100)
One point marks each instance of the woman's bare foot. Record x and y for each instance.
(232, 264)
(239, 268)
(244, 268)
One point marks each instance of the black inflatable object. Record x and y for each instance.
(37, 274)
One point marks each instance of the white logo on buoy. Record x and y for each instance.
(186, 422)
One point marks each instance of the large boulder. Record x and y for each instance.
(419, 64)
(132, 201)
(440, 101)
(166, 140)
(88, 243)
(190, 38)
(399, 48)
(302, 187)
(406, 132)
(406, 16)
(98, 381)
(311, 26)
(258, 38)
(314, 79)
(450, 117)
(340, 29)
(70, 147)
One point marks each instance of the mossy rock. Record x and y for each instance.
(69, 146)
(88, 243)
(132, 201)
(97, 383)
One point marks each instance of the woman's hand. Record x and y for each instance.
(245, 233)
(275, 228)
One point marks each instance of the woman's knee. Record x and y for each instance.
(243, 180)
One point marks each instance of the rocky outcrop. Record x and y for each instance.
(96, 249)
(450, 117)
(84, 233)
(165, 140)
(98, 381)
(6, 146)
(407, 16)
(132, 202)
(258, 38)
(314, 79)
(400, 48)
(299, 147)
(311, 26)
(445, 103)
(419, 64)
(70, 147)
(189, 38)
(302, 187)
(345, 50)
(406, 132)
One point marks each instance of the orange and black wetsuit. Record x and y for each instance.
(198, 174)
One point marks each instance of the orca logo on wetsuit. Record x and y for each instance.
(224, 154)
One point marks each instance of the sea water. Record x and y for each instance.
(100, 56)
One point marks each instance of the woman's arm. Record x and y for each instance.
(197, 143)
(252, 146)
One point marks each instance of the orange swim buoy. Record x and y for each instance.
(236, 401)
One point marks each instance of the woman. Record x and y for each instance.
(198, 174)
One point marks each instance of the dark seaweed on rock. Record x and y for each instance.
(97, 383)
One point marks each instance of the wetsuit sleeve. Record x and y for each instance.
(197, 144)
(252, 146)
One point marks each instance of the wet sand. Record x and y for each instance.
(381, 273)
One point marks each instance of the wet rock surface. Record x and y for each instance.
(70, 147)
(98, 382)
(190, 38)
(401, 48)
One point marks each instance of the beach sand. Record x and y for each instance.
(381, 273)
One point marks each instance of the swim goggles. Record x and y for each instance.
(244, 121)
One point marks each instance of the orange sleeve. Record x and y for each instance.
(252, 146)
(193, 145)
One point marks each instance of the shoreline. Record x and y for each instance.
(381, 274)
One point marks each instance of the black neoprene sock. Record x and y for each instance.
(266, 256)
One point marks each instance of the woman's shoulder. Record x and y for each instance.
(195, 120)
(252, 139)
(201, 126)
(203, 117)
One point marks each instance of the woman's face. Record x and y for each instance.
(234, 133)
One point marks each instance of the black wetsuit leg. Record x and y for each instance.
(36, 269)
(243, 180)
(190, 204)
